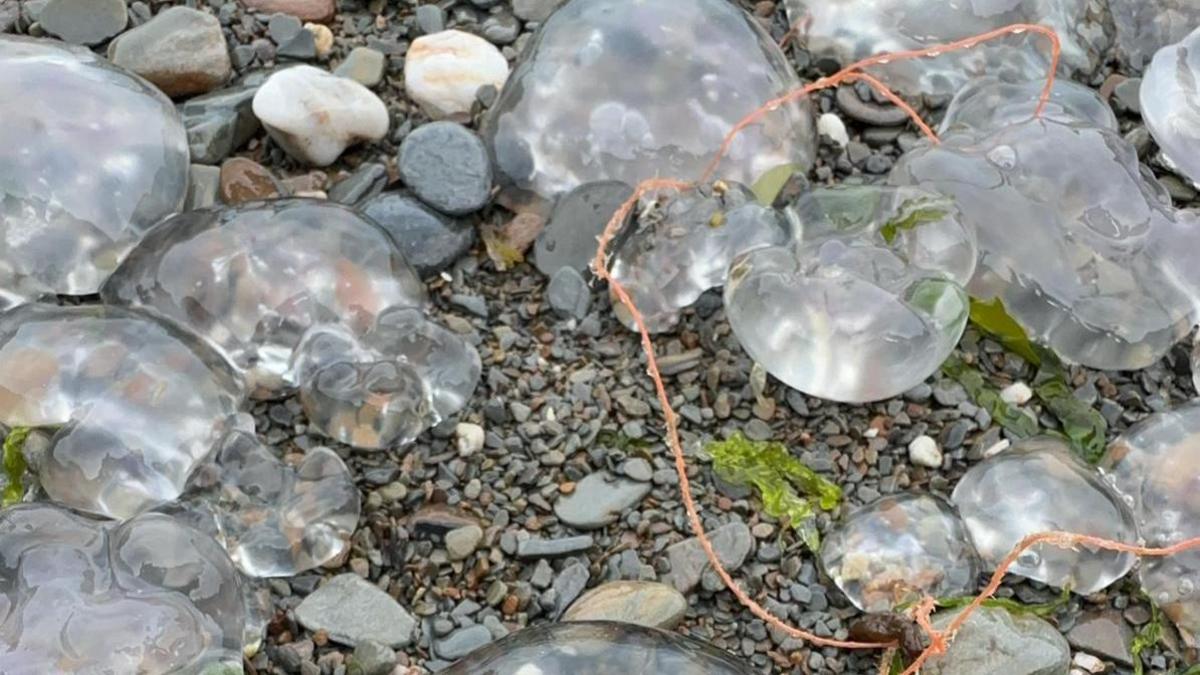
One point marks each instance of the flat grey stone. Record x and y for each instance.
(367, 181)
(84, 22)
(431, 242)
(731, 542)
(447, 167)
(1104, 634)
(220, 122)
(352, 609)
(568, 585)
(204, 182)
(598, 500)
(579, 217)
(994, 642)
(462, 642)
(568, 293)
(364, 65)
(553, 548)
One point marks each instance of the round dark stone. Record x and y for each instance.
(447, 167)
(431, 242)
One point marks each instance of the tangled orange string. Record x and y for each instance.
(938, 640)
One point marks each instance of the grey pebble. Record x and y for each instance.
(447, 167)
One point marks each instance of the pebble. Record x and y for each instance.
(732, 543)
(1017, 393)
(638, 469)
(567, 586)
(644, 603)
(372, 658)
(530, 549)
(462, 642)
(447, 166)
(322, 37)
(461, 543)
(219, 123)
(598, 500)
(994, 642)
(578, 218)
(84, 22)
(305, 10)
(204, 185)
(870, 113)
(244, 180)
(568, 293)
(924, 451)
(444, 71)
(431, 242)
(367, 181)
(1104, 634)
(363, 65)
(350, 609)
(832, 126)
(181, 51)
(534, 10)
(314, 115)
(431, 19)
(468, 438)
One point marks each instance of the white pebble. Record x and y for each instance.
(999, 447)
(469, 438)
(924, 451)
(1089, 662)
(314, 115)
(833, 127)
(1017, 393)
(444, 71)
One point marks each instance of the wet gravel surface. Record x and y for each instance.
(563, 398)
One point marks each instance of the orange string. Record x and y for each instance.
(939, 640)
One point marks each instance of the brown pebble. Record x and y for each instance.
(244, 180)
(305, 10)
(566, 488)
(511, 604)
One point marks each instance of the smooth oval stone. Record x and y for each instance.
(1145, 26)
(181, 50)
(275, 520)
(315, 115)
(431, 242)
(579, 218)
(1155, 466)
(598, 500)
(867, 303)
(106, 597)
(1098, 273)
(686, 247)
(137, 404)
(644, 603)
(995, 642)
(443, 72)
(897, 550)
(447, 167)
(598, 648)
(586, 101)
(987, 104)
(1168, 100)
(84, 22)
(1039, 485)
(352, 610)
(384, 388)
(93, 157)
(254, 279)
(846, 31)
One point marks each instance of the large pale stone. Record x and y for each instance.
(181, 50)
(444, 71)
(315, 115)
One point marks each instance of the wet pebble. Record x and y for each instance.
(598, 500)
(431, 241)
(447, 167)
(350, 609)
(84, 22)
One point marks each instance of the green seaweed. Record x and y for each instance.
(992, 318)
(914, 213)
(1084, 427)
(619, 441)
(1007, 415)
(788, 488)
(768, 186)
(1149, 635)
(14, 466)
(1043, 610)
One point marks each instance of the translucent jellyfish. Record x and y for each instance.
(134, 404)
(899, 549)
(1039, 485)
(683, 247)
(1083, 248)
(84, 596)
(1170, 101)
(93, 156)
(618, 90)
(254, 279)
(866, 304)
(382, 390)
(1155, 466)
(987, 104)
(851, 30)
(275, 520)
(598, 648)
(1145, 26)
